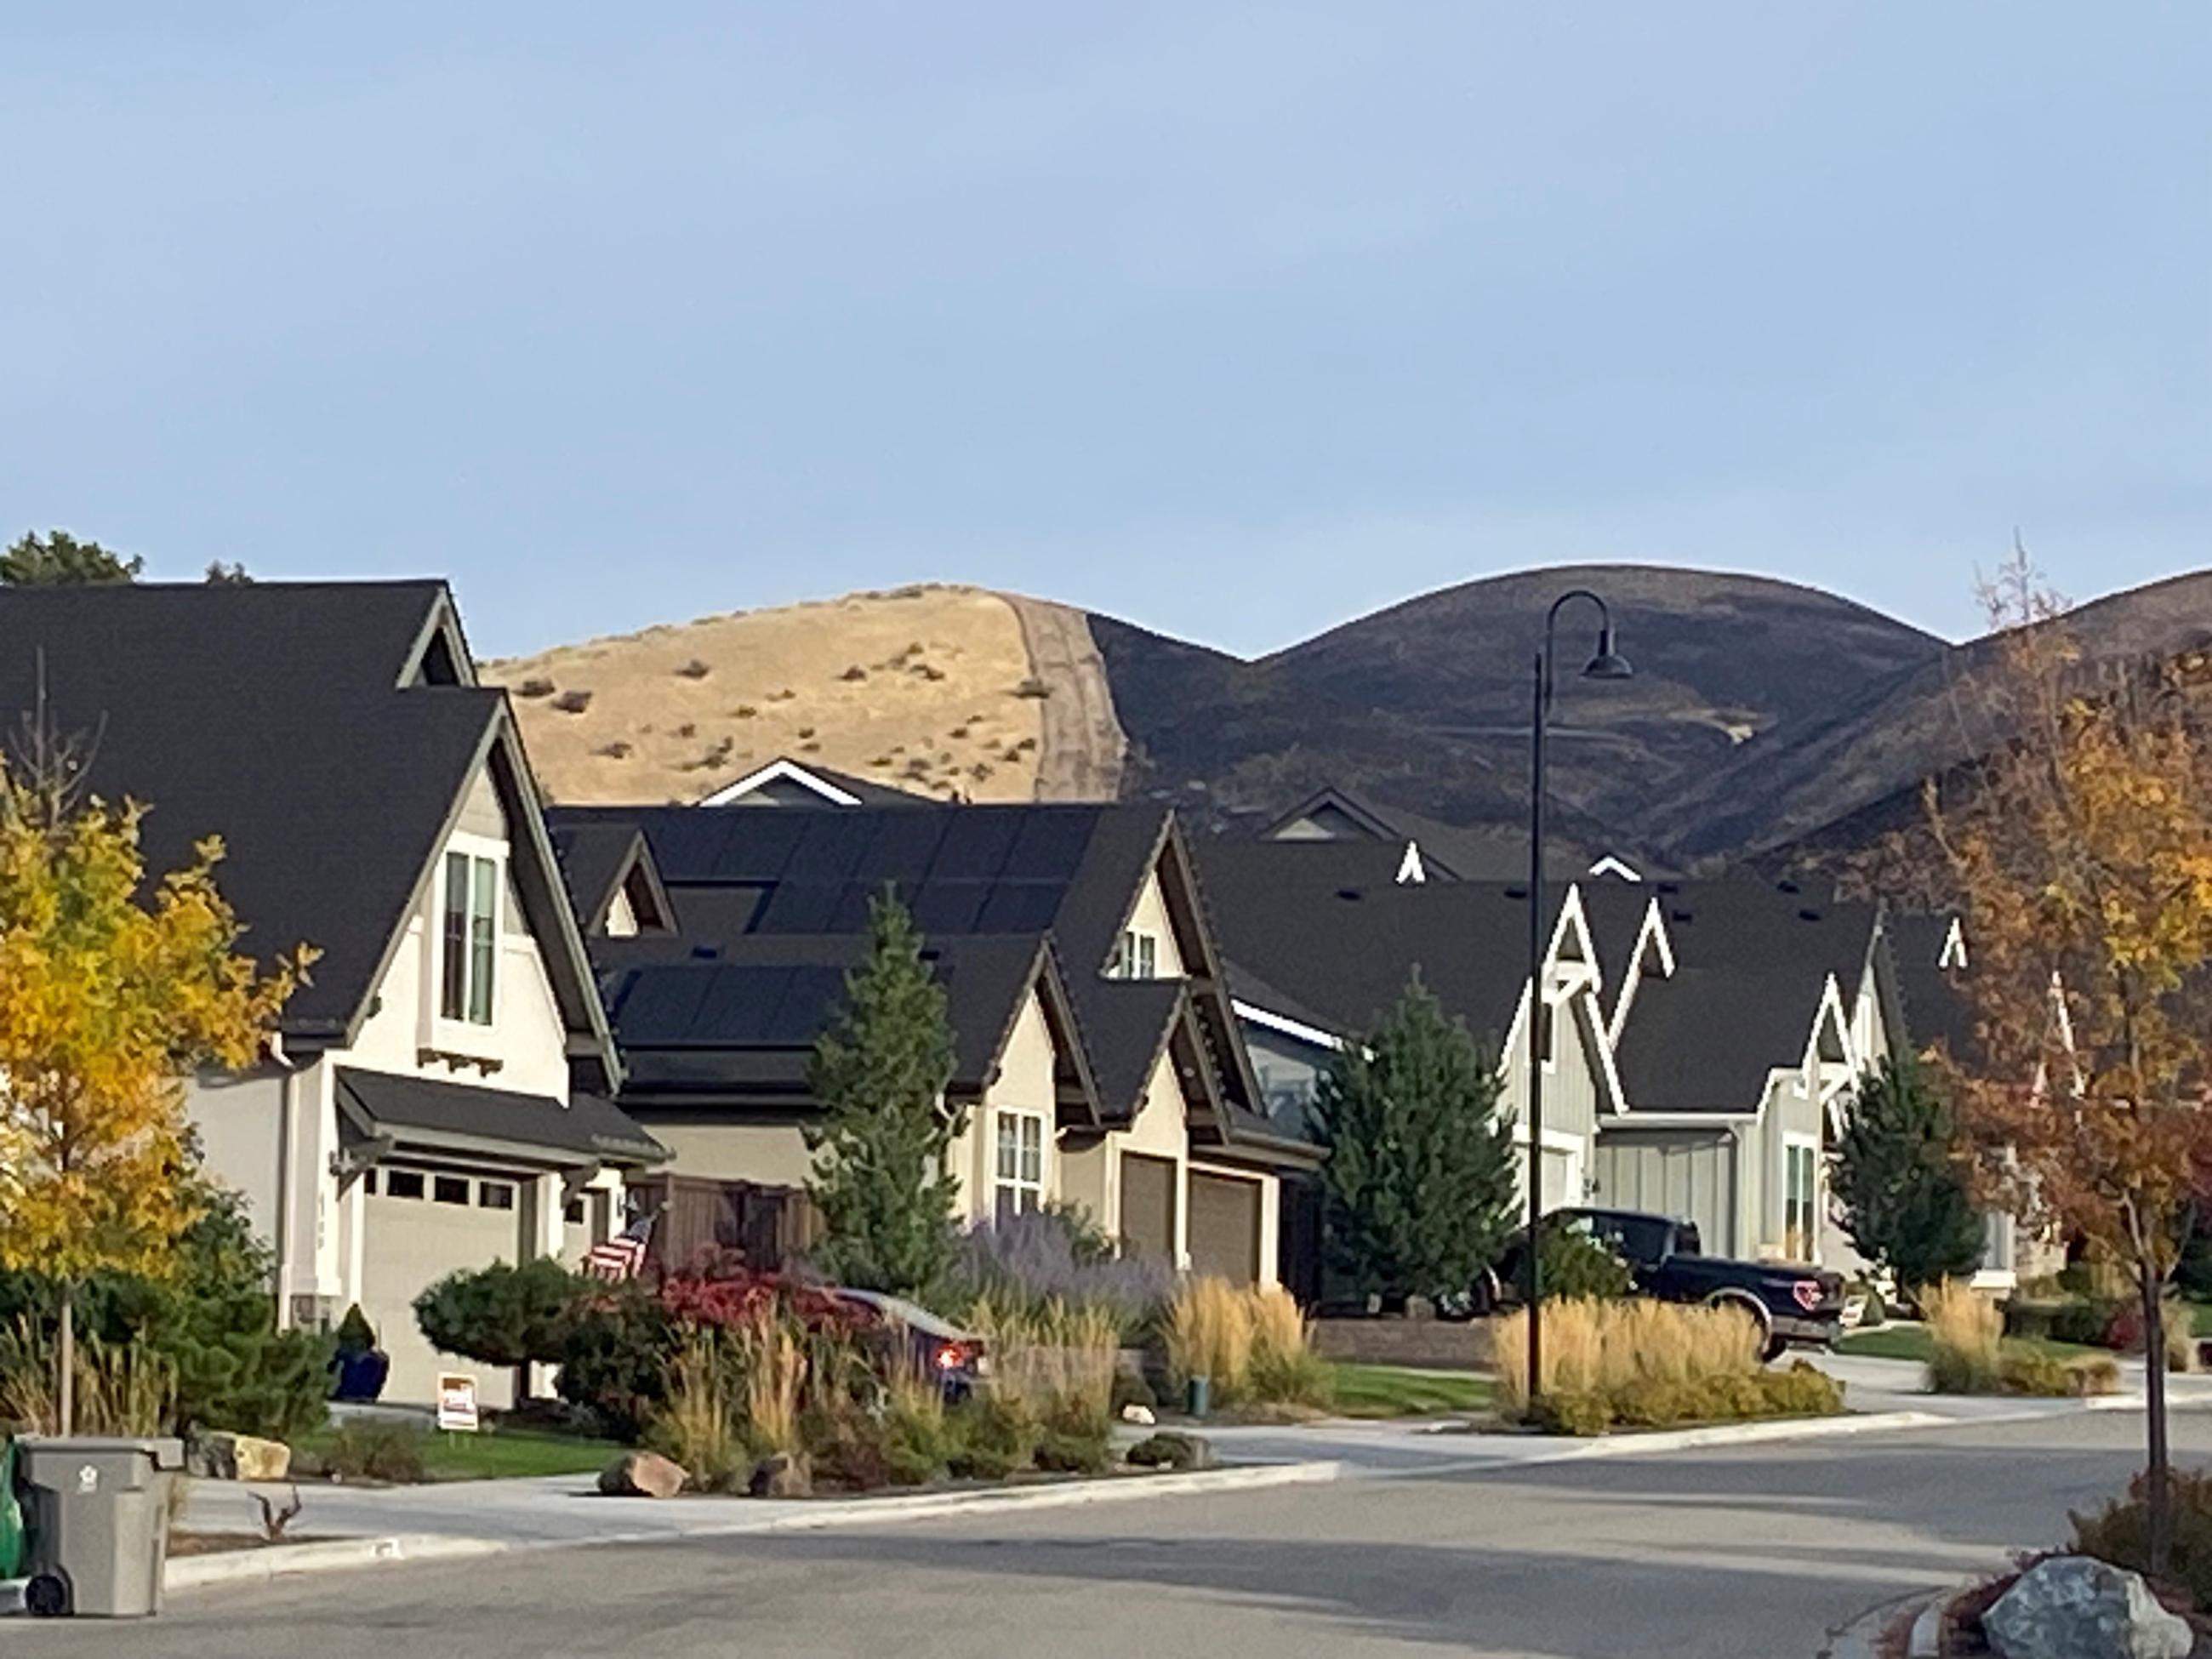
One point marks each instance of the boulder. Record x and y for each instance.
(2071, 1606)
(1173, 1449)
(783, 1474)
(642, 1474)
(221, 1457)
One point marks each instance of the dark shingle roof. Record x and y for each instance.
(584, 1130)
(1615, 910)
(595, 858)
(270, 715)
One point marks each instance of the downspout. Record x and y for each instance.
(287, 1100)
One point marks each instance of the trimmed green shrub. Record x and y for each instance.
(1130, 1388)
(1803, 1390)
(1074, 1440)
(2086, 1320)
(502, 1315)
(919, 1442)
(613, 1359)
(1574, 1267)
(1572, 1413)
(848, 1447)
(369, 1448)
(993, 1437)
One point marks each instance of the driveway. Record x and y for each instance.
(1742, 1554)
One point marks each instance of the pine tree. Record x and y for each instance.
(58, 559)
(1420, 1176)
(1895, 1169)
(880, 1073)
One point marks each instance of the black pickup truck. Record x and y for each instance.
(1793, 1305)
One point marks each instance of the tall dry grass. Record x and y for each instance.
(1965, 1330)
(1285, 1369)
(1598, 1348)
(1209, 1333)
(774, 1355)
(122, 1388)
(697, 1424)
(1051, 1356)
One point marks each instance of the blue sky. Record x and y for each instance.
(1232, 320)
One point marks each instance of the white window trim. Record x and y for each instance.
(1041, 1188)
(1793, 1141)
(464, 1035)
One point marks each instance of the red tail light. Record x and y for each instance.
(951, 1356)
(1808, 1292)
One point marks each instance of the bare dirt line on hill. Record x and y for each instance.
(1083, 746)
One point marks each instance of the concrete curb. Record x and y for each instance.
(347, 1554)
(1861, 1637)
(1674, 1440)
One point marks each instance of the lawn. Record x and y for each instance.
(1904, 1341)
(1404, 1391)
(495, 1454)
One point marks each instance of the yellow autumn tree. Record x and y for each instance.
(113, 989)
(2080, 849)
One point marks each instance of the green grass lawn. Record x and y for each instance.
(1403, 1391)
(495, 1453)
(1908, 1341)
(2200, 1318)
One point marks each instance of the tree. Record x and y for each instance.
(112, 990)
(1897, 1171)
(880, 1072)
(58, 558)
(220, 575)
(502, 1316)
(1419, 1177)
(2079, 846)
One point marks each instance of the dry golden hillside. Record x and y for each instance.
(939, 690)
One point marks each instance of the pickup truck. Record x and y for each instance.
(1792, 1305)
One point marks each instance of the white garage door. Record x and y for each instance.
(423, 1225)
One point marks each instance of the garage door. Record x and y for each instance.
(1148, 1208)
(423, 1225)
(1224, 1227)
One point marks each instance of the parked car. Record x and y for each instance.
(1792, 1305)
(960, 1360)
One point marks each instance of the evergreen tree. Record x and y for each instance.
(1896, 1173)
(880, 1072)
(59, 558)
(1419, 1177)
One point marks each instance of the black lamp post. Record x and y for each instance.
(1606, 664)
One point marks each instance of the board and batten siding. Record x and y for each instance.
(1688, 1174)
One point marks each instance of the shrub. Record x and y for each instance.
(993, 1437)
(2098, 1374)
(372, 1449)
(1074, 1440)
(918, 1446)
(1601, 1347)
(1208, 1331)
(1130, 1388)
(1572, 1267)
(847, 1447)
(502, 1315)
(1964, 1329)
(1021, 1262)
(1575, 1412)
(1803, 1390)
(1876, 1312)
(2125, 1332)
(2085, 1320)
(2027, 1370)
(2119, 1533)
(614, 1361)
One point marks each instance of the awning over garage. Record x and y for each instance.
(427, 1112)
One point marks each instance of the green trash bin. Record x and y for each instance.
(11, 1516)
(97, 1516)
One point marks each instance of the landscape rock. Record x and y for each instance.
(642, 1474)
(783, 1474)
(1142, 1416)
(1173, 1449)
(2071, 1606)
(223, 1456)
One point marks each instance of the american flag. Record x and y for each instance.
(620, 1257)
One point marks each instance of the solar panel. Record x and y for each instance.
(718, 912)
(799, 907)
(737, 1005)
(657, 1006)
(1021, 907)
(810, 1001)
(851, 915)
(1050, 842)
(976, 841)
(949, 907)
(687, 846)
(835, 846)
(757, 842)
(906, 847)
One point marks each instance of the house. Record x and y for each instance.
(786, 782)
(1322, 939)
(1098, 1059)
(439, 1096)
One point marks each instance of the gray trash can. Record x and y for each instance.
(97, 1514)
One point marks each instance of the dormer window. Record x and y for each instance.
(468, 939)
(1136, 956)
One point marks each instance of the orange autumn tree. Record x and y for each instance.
(111, 991)
(2080, 849)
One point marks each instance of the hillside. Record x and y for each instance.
(1763, 715)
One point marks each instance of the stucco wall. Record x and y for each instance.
(1151, 917)
(770, 1154)
(1025, 1083)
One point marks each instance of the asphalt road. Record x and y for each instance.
(1756, 1552)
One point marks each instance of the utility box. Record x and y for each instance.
(96, 1516)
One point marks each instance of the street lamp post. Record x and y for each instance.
(1605, 664)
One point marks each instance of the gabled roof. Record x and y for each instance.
(1931, 1008)
(795, 888)
(826, 787)
(599, 860)
(1451, 851)
(328, 733)
(429, 1112)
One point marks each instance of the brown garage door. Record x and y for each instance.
(1148, 1208)
(1224, 1227)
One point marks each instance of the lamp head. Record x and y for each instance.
(1608, 663)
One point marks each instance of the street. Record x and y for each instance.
(1757, 1552)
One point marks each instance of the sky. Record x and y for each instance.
(1231, 321)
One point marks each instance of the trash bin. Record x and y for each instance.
(96, 1513)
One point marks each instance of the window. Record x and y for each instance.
(1799, 1189)
(470, 938)
(1136, 956)
(1019, 1186)
(368, 1181)
(571, 1212)
(450, 1189)
(495, 1194)
(403, 1183)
